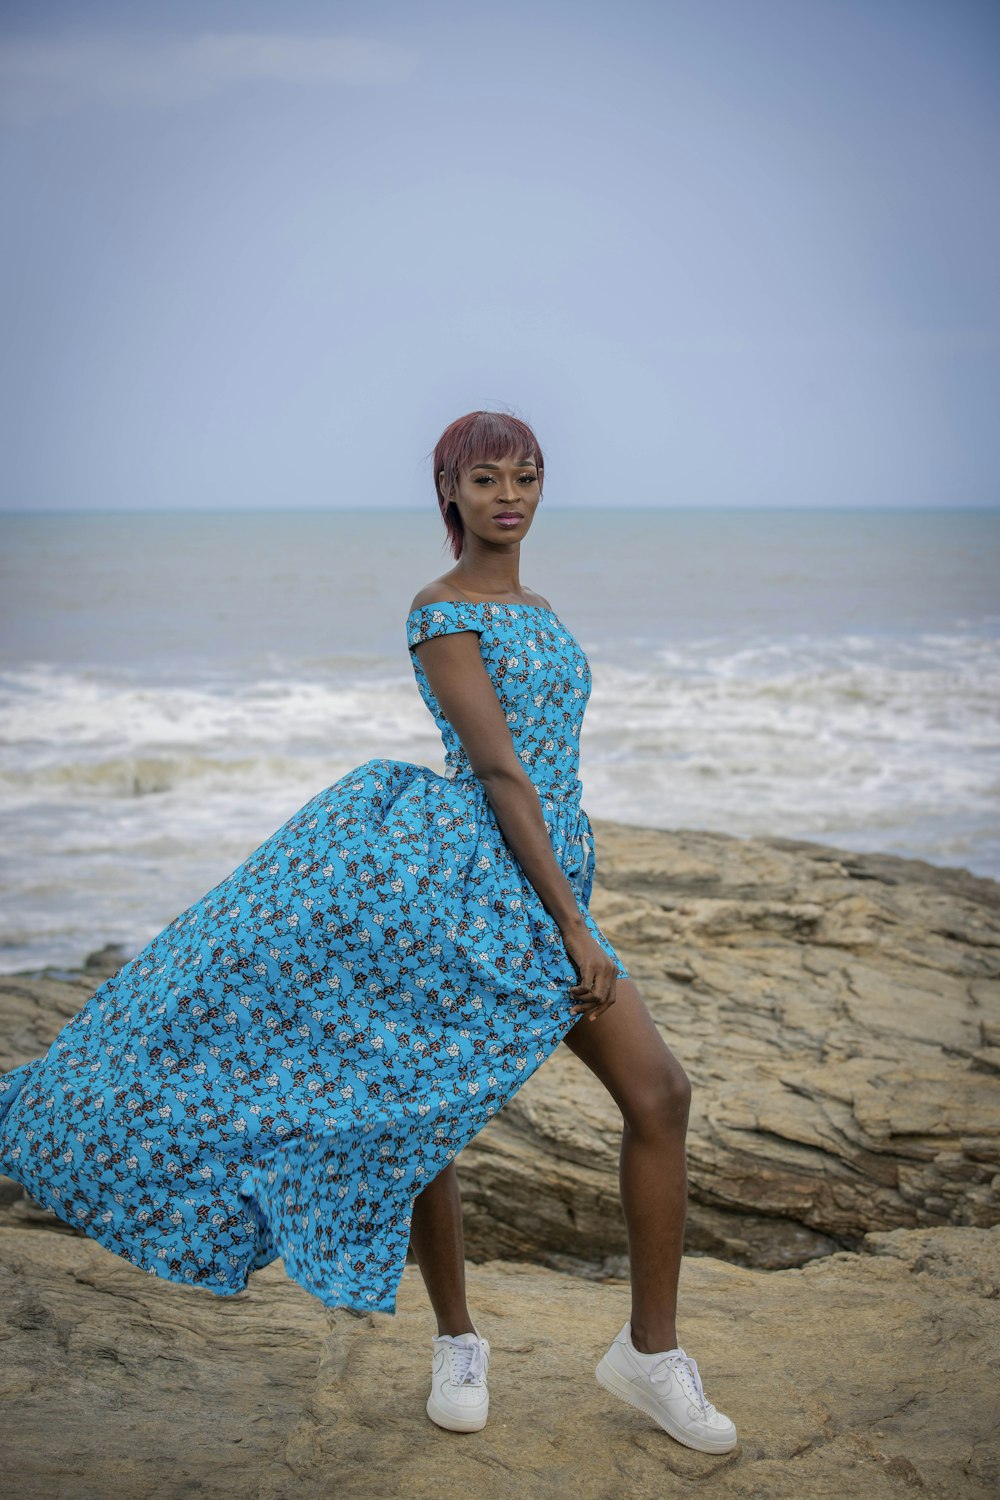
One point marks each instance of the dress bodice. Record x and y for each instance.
(542, 678)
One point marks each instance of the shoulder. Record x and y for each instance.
(433, 593)
(442, 592)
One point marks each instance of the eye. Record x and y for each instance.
(528, 478)
(483, 479)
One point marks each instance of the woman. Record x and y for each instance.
(292, 1066)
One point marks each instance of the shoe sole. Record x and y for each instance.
(609, 1378)
(455, 1424)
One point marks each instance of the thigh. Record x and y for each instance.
(625, 1050)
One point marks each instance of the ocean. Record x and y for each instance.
(173, 686)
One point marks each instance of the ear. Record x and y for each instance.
(440, 485)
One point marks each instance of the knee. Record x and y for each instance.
(660, 1103)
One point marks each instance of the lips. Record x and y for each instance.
(508, 515)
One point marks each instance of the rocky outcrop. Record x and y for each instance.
(871, 1374)
(839, 1016)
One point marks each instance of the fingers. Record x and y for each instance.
(597, 997)
(596, 979)
(594, 1008)
(602, 1006)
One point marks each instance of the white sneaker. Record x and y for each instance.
(459, 1399)
(667, 1387)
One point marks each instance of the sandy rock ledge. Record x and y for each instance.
(875, 1374)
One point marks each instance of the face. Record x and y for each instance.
(488, 489)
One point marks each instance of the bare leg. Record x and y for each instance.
(627, 1053)
(438, 1246)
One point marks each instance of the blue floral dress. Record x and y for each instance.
(296, 1056)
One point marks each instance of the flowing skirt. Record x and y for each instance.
(295, 1057)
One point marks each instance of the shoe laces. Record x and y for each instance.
(686, 1371)
(469, 1363)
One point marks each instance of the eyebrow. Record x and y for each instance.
(522, 465)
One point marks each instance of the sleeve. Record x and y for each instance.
(449, 617)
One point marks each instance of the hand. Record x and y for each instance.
(595, 990)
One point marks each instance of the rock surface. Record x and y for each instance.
(839, 1016)
(874, 1374)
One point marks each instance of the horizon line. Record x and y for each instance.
(416, 510)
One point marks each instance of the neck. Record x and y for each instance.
(487, 575)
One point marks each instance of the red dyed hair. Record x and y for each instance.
(478, 437)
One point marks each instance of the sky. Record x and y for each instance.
(716, 252)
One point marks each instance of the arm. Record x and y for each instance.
(468, 699)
